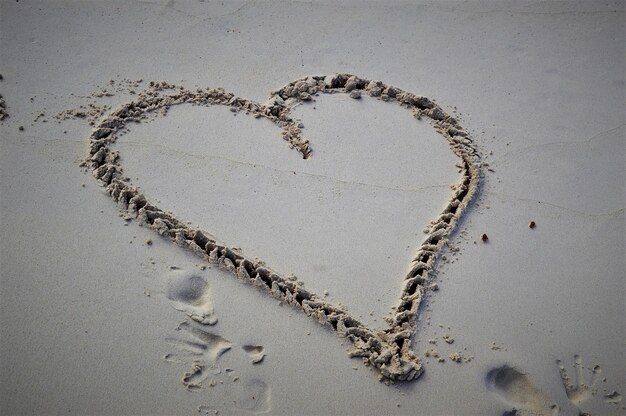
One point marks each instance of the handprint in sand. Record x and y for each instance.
(199, 346)
(579, 390)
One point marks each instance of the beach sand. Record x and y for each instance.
(104, 311)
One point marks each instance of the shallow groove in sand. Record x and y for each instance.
(388, 350)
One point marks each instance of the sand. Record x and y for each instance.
(322, 197)
(390, 350)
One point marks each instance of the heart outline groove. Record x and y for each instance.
(388, 350)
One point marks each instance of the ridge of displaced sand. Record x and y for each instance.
(3, 108)
(389, 351)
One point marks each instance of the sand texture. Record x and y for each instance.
(188, 189)
(390, 350)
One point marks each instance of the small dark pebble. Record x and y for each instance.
(484, 237)
(532, 224)
(21, 128)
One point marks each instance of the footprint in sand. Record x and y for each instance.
(253, 396)
(516, 389)
(256, 353)
(201, 348)
(191, 294)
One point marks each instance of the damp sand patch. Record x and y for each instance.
(388, 350)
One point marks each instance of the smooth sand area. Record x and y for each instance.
(101, 314)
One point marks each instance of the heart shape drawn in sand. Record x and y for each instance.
(388, 350)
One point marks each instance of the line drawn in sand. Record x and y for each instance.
(517, 390)
(389, 350)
